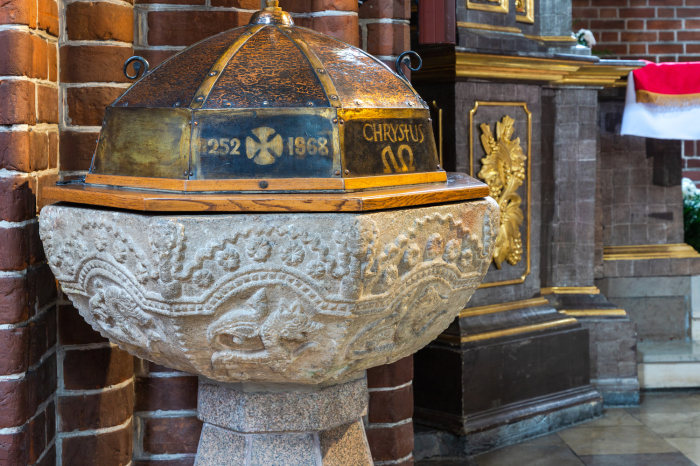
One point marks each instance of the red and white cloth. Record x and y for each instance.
(663, 101)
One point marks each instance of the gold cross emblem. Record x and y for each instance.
(264, 151)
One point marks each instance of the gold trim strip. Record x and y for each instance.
(318, 68)
(494, 308)
(649, 251)
(675, 100)
(529, 16)
(570, 290)
(439, 111)
(488, 27)
(219, 65)
(365, 182)
(470, 65)
(518, 330)
(594, 312)
(502, 6)
(552, 38)
(478, 103)
(167, 184)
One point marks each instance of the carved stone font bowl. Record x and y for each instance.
(277, 297)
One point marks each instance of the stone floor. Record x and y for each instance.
(663, 431)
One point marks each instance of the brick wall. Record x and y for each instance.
(164, 27)
(691, 160)
(654, 30)
(384, 28)
(28, 148)
(95, 41)
(637, 207)
(95, 396)
(166, 428)
(389, 423)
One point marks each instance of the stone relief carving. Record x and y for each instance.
(280, 297)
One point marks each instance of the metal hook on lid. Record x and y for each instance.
(139, 62)
(406, 60)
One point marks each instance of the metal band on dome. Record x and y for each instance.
(318, 67)
(200, 97)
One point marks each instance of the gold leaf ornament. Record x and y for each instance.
(503, 170)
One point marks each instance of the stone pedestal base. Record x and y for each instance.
(613, 344)
(286, 425)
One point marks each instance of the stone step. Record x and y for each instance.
(668, 364)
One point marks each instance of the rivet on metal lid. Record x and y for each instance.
(334, 97)
(200, 98)
(212, 73)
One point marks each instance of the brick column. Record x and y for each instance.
(96, 39)
(95, 395)
(691, 160)
(28, 147)
(384, 28)
(336, 18)
(385, 33)
(165, 417)
(164, 27)
(389, 423)
(95, 378)
(568, 193)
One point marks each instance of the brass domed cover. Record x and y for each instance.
(267, 106)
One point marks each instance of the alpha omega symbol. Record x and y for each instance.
(265, 150)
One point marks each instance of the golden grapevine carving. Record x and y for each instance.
(504, 171)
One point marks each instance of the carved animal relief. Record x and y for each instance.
(503, 170)
(276, 297)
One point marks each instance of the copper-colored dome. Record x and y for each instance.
(250, 107)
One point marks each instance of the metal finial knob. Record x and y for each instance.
(272, 14)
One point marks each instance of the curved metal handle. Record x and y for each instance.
(405, 59)
(139, 62)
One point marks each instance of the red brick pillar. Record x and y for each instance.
(336, 18)
(28, 146)
(96, 40)
(385, 33)
(389, 422)
(691, 160)
(165, 27)
(95, 395)
(96, 388)
(165, 417)
(384, 28)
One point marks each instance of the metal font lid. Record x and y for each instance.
(268, 106)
